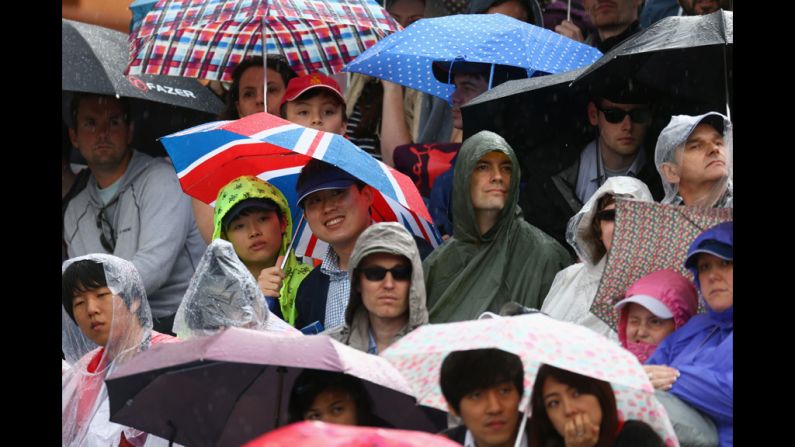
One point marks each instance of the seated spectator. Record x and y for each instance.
(483, 387)
(387, 289)
(654, 306)
(695, 159)
(316, 101)
(255, 217)
(106, 320)
(570, 409)
(495, 256)
(590, 234)
(331, 397)
(695, 364)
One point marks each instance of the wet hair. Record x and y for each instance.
(312, 382)
(466, 371)
(77, 97)
(276, 63)
(311, 93)
(80, 277)
(638, 434)
(543, 433)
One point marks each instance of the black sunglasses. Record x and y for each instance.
(607, 215)
(108, 244)
(638, 116)
(399, 273)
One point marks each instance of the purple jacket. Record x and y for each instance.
(703, 352)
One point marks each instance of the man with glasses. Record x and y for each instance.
(387, 289)
(132, 206)
(622, 116)
(337, 208)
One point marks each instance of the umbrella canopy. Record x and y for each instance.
(319, 434)
(649, 237)
(536, 339)
(688, 58)
(206, 39)
(93, 60)
(228, 388)
(209, 156)
(406, 57)
(542, 118)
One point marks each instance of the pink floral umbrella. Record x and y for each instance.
(319, 434)
(536, 339)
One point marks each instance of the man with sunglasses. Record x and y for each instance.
(132, 206)
(621, 115)
(336, 207)
(387, 289)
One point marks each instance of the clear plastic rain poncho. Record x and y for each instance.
(127, 321)
(223, 293)
(574, 288)
(670, 145)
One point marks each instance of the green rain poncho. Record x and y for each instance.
(250, 187)
(514, 261)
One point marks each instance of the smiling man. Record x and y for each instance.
(694, 158)
(483, 387)
(132, 207)
(337, 208)
(494, 256)
(387, 299)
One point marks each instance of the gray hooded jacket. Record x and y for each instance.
(385, 237)
(154, 227)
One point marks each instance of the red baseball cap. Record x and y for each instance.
(301, 84)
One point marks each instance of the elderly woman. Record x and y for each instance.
(106, 321)
(696, 363)
(590, 233)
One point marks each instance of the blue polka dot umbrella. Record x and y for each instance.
(406, 57)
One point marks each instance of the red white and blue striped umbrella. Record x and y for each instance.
(209, 156)
(206, 39)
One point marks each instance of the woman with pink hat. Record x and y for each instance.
(653, 307)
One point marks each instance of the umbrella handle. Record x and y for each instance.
(280, 370)
(173, 434)
(521, 433)
(568, 11)
(292, 241)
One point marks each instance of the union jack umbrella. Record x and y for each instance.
(206, 39)
(209, 156)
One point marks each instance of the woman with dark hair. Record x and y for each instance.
(331, 397)
(246, 97)
(569, 409)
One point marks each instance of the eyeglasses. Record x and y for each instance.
(640, 115)
(607, 215)
(399, 273)
(108, 244)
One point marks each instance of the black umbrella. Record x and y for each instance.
(687, 59)
(93, 60)
(542, 118)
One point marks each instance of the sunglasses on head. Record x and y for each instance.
(399, 273)
(638, 116)
(607, 215)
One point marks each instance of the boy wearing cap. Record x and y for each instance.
(254, 216)
(337, 208)
(695, 363)
(315, 100)
(694, 158)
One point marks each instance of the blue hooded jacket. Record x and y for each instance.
(702, 350)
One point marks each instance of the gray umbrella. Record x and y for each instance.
(93, 60)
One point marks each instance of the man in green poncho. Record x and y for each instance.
(254, 216)
(495, 256)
